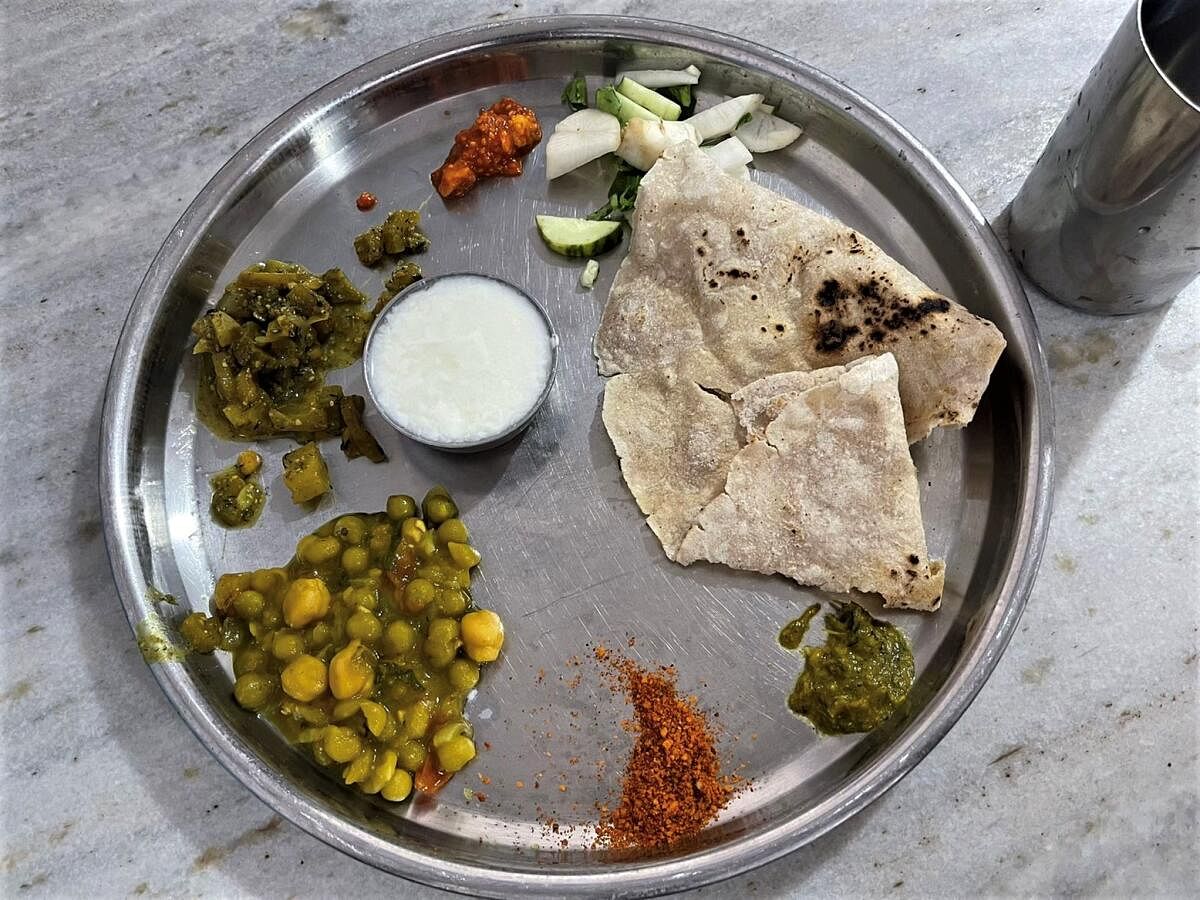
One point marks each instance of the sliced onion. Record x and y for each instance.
(764, 132)
(584, 139)
(724, 117)
(589, 120)
(730, 155)
(661, 78)
(644, 141)
(681, 131)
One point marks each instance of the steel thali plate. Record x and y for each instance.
(568, 559)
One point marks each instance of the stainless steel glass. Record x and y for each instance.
(568, 559)
(1108, 221)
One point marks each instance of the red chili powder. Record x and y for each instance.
(673, 785)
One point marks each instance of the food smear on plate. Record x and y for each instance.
(729, 282)
(364, 647)
(501, 136)
(460, 360)
(859, 678)
(264, 350)
(673, 784)
(237, 495)
(791, 636)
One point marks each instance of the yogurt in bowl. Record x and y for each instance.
(460, 362)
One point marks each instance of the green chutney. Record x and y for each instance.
(858, 679)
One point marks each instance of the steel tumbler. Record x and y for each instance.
(1108, 220)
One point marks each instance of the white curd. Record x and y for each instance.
(460, 361)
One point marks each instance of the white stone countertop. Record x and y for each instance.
(1074, 772)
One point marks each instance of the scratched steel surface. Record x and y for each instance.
(568, 561)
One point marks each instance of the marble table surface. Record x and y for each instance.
(1075, 771)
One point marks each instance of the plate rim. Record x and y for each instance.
(119, 500)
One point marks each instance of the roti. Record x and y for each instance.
(760, 402)
(674, 441)
(828, 497)
(731, 282)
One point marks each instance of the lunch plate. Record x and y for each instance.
(568, 560)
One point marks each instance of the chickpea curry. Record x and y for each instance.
(364, 647)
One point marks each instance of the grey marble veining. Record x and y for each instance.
(1075, 771)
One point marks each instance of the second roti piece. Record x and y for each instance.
(828, 497)
(674, 441)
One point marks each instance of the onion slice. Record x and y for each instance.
(730, 155)
(724, 117)
(661, 78)
(580, 138)
(644, 141)
(764, 132)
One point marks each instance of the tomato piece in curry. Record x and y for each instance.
(494, 145)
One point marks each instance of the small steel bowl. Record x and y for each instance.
(464, 446)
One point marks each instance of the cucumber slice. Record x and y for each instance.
(663, 107)
(615, 104)
(578, 237)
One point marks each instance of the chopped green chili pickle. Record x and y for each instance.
(858, 679)
(237, 498)
(364, 647)
(792, 635)
(400, 233)
(263, 352)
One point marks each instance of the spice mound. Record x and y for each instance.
(673, 785)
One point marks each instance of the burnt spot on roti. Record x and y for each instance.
(832, 336)
(904, 315)
(699, 251)
(871, 307)
(829, 293)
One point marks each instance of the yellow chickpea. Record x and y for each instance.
(411, 530)
(350, 672)
(341, 744)
(464, 555)
(304, 678)
(398, 787)
(482, 635)
(306, 600)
